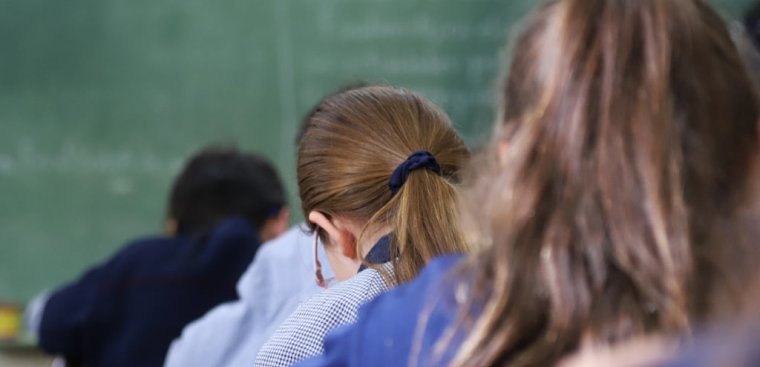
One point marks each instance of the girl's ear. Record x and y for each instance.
(338, 232)
(340, 247)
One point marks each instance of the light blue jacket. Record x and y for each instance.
(279, 279)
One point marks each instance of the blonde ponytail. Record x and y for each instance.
(425, 217)
(353, 143)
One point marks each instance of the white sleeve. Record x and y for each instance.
(34, 311)
(208, 340)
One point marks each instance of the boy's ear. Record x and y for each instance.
(282, 220)
(170, 226)
(338, 233)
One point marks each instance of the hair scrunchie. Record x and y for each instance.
(417, 160)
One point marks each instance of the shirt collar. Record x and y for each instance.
(379, 253)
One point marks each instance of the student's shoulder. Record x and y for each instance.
(346, 297)
(435, 274)
(362, 288)
(335, 306)
(209, 340)
(402, 304)
(301, 335)
(227, 232)
(437, 268)
(145, 245)
(136, 253)
(382, 334)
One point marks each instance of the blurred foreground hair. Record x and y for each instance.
(628, 133)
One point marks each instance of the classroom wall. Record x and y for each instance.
(101, 100)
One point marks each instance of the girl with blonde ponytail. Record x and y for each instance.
(378, 173)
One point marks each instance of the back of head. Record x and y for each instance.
(221, 182)
(349, 150)
(629, 128)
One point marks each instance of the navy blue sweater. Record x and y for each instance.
(127, 311)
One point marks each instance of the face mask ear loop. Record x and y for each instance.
(319, 278)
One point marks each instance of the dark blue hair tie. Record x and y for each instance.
(417, 160)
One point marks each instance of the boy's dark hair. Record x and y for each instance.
(218, 182)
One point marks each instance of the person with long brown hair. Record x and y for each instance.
(613, 199)
(378, 176)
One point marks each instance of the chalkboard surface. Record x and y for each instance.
(101, 100)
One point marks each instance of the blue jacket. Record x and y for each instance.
(127, 311)
(387, 327)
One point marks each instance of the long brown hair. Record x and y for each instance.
(351, 146)
(628, 131)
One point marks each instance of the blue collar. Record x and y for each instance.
(380, 253)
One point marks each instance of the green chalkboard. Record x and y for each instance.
(101, 100)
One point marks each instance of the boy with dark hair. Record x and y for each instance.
(218, 182)
(126, 311)
(278, 280)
